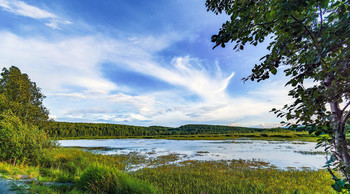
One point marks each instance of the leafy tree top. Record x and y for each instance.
(20, 95)
(310, 38)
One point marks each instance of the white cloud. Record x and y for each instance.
(70, 73)
(54, 23)
(256, 124)
(186, 72)
(58, 65)
(23, 9)
(154, 44)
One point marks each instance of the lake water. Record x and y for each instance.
(282, 154)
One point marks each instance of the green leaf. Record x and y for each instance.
(347, 186)
(336, 188)
(330, 161)
(339, 185)
(273, 71)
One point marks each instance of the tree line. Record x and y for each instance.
(69, 129)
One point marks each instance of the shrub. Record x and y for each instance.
(21, 143)
(102, 179)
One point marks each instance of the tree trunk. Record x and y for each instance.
(341, 151)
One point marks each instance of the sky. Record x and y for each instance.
(136, 62)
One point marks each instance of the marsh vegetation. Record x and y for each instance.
(109, 173)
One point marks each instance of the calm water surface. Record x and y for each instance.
(282, 154)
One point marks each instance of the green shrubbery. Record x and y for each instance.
(21, 143)
(101, 179)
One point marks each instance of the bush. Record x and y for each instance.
(101, 179)
(21, 143)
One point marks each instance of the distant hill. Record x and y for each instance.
(68, 129)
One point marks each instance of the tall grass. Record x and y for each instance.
(101, 179)
(11, 171)
(236, 176)
(90, 172)
(107, 174)
(66, 165)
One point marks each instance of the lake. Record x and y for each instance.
(282, 154)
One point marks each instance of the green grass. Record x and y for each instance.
(66, 165)
(105, 173)
(11, 171)
(102, 179)
(237, 176)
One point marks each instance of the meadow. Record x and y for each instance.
(90, 173)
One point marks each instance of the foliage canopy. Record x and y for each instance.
(20, 95)
(21, 109)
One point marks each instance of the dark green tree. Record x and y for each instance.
(20, 95)
(311, 39)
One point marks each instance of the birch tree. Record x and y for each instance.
(311, 39)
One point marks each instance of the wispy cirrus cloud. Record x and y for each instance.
(21, 8)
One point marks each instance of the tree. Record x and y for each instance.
(21, 109)
(21, 142)
(311, 39)
(20, 95)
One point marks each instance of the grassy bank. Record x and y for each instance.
(85, 172)
(99, 173)
(277, 136)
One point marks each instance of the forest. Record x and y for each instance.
(68, 129)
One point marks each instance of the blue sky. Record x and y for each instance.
(135, 62)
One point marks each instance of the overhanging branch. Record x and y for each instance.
(305, 27)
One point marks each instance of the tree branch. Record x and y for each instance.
(308, 31)
(319, 7)
(347, 114)
(345, 107)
